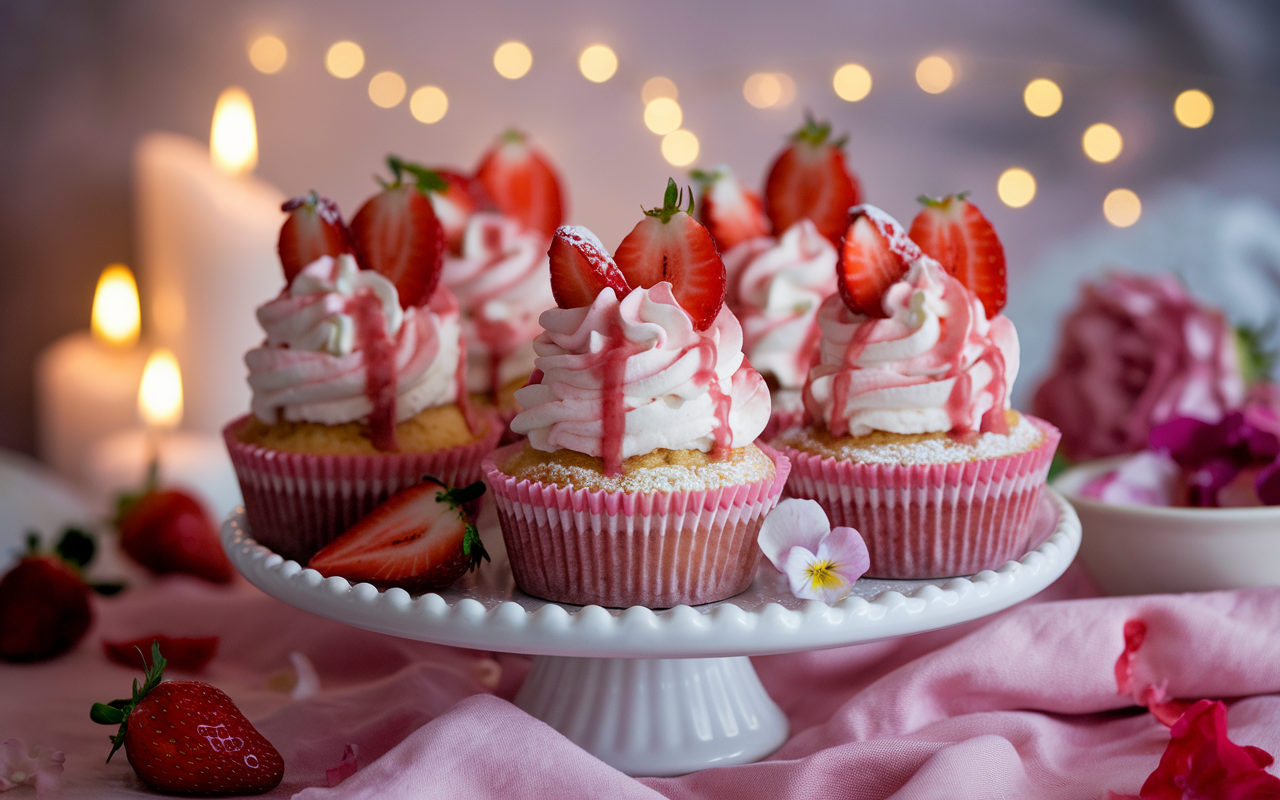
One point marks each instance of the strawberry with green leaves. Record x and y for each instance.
(169, 531)
(955, 233)
(44, 601)
(670, 245)
(187, 737)
(522, 183)
(398, 233)
(314, 228)
(419, 539)
(810, 179)
(730, 211)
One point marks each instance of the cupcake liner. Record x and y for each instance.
(931, 520)
(781, 419)
(620, 549)
(296, 503)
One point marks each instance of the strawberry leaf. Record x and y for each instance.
(425, 179)
(118, 711)
(472, 547)
(76, 547)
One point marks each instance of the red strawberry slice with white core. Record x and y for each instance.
(399, 235)
(874, 253)
(670, 245)
(581, 268)
(730, 211)
(461, 198)
(810, 179)
(313, 229)
(955, 233)
(522, 183)
(419, 539)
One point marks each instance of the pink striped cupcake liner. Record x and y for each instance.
(620, 549)
(931, 520)
(297, 503)
(781, 419)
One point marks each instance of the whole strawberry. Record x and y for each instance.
(169, 531)
(187, 737)
(44, 606)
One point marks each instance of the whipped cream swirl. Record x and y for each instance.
(623, 378)
(314, 365)
(775, 288)
(936, 364)
(503, 282)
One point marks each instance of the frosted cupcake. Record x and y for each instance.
(640, 482)
(358, 387)
(912, 439)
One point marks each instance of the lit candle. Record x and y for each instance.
(207, 234)
(191, 460)
(86, 382)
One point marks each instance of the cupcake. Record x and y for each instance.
(496, 263)
(776, 282)
(640, 482)
(912, 440)
(358, 388)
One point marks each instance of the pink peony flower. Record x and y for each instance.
(21, 765)
(1137, 351)
(821, 563)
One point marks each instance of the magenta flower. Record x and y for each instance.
(820, 563)
(1213, 455)
(22, 765)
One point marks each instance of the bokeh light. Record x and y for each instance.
(344, 59)
(935, 74)
(268, 54)
(429, 104)
(663, 115)
(1016, 187)
(658, 86)
(1043, 97)
(769, 89)
(1193, 108)
(512, 60)
(1102, 142)
(1122, 208)
(852, 82)
(386, 89)
(598, 63)
(680, 148)
(160, 393)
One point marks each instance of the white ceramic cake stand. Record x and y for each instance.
(659, 692)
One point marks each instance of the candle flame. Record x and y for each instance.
(160, 395)
(234, 140)
(117, 317)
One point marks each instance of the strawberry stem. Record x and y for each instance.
(671, 202)
(813, 132)
(117, 711)
(424, 179)
(512, 136)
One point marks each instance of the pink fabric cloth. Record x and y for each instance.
(1023, 704)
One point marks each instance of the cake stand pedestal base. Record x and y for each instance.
(657, 716)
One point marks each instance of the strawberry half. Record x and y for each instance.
(188, 654)
(314, 228)
(419, 539)
(670, 245)
(461, 198)
(522, 183)
(809, 179)
(581, 268)
(399, 235)
(953, 231)
(874, 254)
(187, 737)
(730, 211)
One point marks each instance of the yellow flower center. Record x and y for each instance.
(822, 574)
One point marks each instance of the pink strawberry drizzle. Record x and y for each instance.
(380, 367)
(720, 401)
(472, 416)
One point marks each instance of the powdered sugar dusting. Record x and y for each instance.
(891, 230)
(749, 467)
(943, 450)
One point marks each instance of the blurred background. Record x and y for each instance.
(935, 97)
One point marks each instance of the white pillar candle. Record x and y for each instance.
(207, 246)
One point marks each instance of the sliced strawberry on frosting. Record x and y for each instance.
(314, 228)
(522, 183)
(955, 233)
(730, 211)
(419, 539)
(461, 197)
(581, 268)
(670, 245)
(809, 179)
(874, 253)
(399, 234)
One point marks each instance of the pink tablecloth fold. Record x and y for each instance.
(1024, 704)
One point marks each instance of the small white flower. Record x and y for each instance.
(21, 765)
(820, 563)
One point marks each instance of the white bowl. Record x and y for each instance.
(1133, 549)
